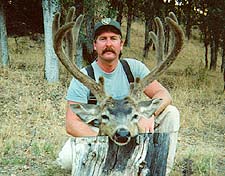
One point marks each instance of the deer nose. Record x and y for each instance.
(122, 135)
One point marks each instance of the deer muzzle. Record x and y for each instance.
(122, 136)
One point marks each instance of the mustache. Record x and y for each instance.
(108, 49)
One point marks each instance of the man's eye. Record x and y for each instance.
(114, 38)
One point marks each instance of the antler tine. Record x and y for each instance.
(55, 24)
(59, 34)
(166, 63)
(70, 46)
(158, 40)
(178, 43)
(76, 29)
(173, 17)
(70, 14)
(171, 34)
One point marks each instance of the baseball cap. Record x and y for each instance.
(107, 22)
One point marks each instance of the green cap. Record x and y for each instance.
(107, 22)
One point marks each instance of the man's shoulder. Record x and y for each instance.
(128, 59)
(88, 67)
(138, 68)
(133, 62)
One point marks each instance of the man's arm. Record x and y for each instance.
(156, 90)
(75, 126)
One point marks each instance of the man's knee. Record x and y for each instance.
(168, 120)
(64, 159)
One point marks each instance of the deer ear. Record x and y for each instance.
(147, 108)
(86, 112)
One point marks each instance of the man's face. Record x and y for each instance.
(108, 46)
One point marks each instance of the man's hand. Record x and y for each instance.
(146, 125)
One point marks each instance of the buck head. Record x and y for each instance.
(115, 118)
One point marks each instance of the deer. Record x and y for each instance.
(116, 119)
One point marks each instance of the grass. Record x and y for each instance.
(32, 111)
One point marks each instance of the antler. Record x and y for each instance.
(159, 41)
(70, 30)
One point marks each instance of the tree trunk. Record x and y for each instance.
(120, 8)
(129, 20)
(188, 27)
(148, 42)
(142, 156)
(87, 43)
(127, 40)
(51, 61)
(189, 9)
(223, 52)
(213, 58)
(149, 12)
(206, 55)
(223, 59)
(206, 44)
(3, 36)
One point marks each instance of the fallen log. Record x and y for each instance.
(145, 155)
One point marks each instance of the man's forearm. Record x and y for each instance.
(156, 90)
(167, 100)
(75, 126)
(79, 129)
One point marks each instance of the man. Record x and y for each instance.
(108, 45)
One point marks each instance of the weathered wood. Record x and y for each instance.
(144, 155)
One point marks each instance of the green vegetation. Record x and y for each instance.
(32, 111)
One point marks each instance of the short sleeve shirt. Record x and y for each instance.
(116, 83)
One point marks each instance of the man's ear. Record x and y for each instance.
(147, 108)
(86, 112)
(121, 44)
(94, 45)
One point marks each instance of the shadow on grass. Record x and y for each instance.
(55, 171)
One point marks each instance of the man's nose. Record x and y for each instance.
(108, 42)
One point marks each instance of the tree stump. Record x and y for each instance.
(145, 155)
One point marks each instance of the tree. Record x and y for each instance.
(23, 17)
(223, 48)
(216, 27)
(211, 24)
(130, 9)
(188, 10)
(89, 11)
(51, 61)
(203, 26)
(223, 62)
(116, 8)
(3, 36)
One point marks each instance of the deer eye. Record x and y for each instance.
(95, 123)
(105, 117)
(135, 117)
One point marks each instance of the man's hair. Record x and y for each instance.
(106, 28)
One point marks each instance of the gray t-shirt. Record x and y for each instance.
(115, 83)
